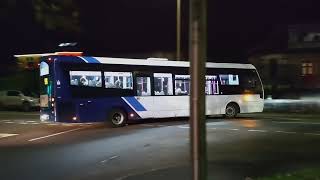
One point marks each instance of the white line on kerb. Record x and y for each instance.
(256, 130)
(35, 139)
(286, 132)
(281, 122)
(316, 134)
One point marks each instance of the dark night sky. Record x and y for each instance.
(124, 26)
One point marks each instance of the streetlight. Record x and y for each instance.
(198, 56)
(178, 56)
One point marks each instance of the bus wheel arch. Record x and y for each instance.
(117, 117)
(231, 110)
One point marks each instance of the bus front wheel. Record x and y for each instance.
(117, 117)
(232, 110)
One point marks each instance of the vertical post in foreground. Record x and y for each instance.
(197, 55)
(178, 56)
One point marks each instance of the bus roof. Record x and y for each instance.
(160, 62)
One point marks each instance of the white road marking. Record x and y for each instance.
(281, 122)
(217, 123)
(52, 124)
(286, 132)
(9, 122)
(234, 129)
(65, 124)
(5, 120)
(56, 134)
(3, 135)
(213, 128)
(257, 130)
(109, 159)
(148, 125)
(31, 121)
(184, 127)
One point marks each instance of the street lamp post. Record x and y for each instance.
(178, 56)
(197, 55)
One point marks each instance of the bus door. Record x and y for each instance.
(212, 89)
(86, 110)
(142, 87)
(166, 105)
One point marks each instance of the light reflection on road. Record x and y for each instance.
(248, 123)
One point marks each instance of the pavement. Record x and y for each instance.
(252, 145)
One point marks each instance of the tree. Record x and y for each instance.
(57, 15)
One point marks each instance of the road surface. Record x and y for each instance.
(249, 146)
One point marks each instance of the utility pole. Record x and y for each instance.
(178, 56)
(198, 56)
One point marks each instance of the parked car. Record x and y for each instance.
(18, 99)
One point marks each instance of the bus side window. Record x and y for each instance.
(229, 79)
(182, 85)
(212, 86)
(118, 80)
(143, 86)
(163, 84)
(85, 78)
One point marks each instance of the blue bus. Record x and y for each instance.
(118, 90)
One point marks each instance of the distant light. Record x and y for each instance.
(67, 44)
(44, 117)
(131, 115)
(52, 99)
(74, 118)
(45, 81)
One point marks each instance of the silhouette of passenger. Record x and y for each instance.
(84, 81)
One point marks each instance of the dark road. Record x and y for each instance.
(249, 146)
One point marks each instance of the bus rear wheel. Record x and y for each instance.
(117, 118)
(231, 110)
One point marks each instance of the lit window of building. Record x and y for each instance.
(307, 69)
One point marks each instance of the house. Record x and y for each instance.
(294, 70)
